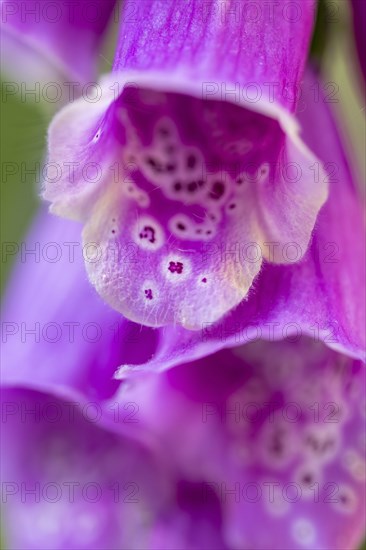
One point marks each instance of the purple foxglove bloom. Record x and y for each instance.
(193, 149)
(276, 429)
(67, 483)
(40, 39)
(315, 297)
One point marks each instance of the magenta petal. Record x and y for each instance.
(277, 431)
(181, 170)
(57, 334)
(54, 38)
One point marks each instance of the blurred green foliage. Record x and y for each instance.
(23, 137)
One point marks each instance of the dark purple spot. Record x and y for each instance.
(204, 280)
(307, 479)
(208, 232)
(176, 267)
(151, 161)
(181, 226)
(192, 187)
(277, 443)
(191, 161)
(148, 233)
(315, 444)
(113, 231)
(217, 191)
(154, 164)
(170, 167)
(177, 186)
(232, 206)
(148, 294)
(163, 131)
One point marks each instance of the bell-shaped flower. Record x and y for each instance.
(323, 296)
(276, 429)
(193, 149)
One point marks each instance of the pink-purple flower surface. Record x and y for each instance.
(276, 429)
(59, 39)
(207, 390)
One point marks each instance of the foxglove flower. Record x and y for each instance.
(194, 148)
(276, 429)
(40, 39)
(67, 482)
(315, 297)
